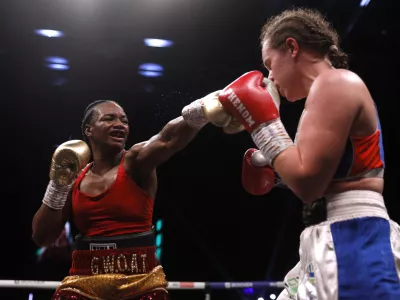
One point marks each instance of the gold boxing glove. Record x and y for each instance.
(204, 110)
(68, 159)
(233, 127)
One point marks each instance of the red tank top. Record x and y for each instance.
(124, 208)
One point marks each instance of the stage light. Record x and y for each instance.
(261, 298)
(150, 70)
(272, 296)
(159, 43)
(364, 3)
(150, 73)
(58, 67)
(248, 291)
(158, 240)
(56, 60)
(151, 67)
(49, 33)
(159, 225)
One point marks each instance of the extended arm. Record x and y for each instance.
(178, 133)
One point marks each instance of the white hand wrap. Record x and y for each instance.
(193, 114)
(56, 195)
(271, 138)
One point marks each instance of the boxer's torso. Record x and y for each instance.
(111, 204)
(93, 184)
(362, 163)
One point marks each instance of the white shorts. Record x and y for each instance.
(355, 254)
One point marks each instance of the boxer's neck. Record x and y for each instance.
(103, 162)
(311, 68)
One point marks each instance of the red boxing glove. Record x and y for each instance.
(251, 99)
(254, 102)
(256, 180)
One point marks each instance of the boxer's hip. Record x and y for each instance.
(355, 254)
(120, 267)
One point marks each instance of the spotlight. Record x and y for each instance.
(49, 33)
(151, 67)
(150, 70)
(57, 60)
(159, 43)
(58, 67)
(150, 73)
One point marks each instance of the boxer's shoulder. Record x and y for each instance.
(337, 87)
(335, 78)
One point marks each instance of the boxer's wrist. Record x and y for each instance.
(193, 114)
(56, 195)
(271, 138)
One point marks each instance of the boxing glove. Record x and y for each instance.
(68, 159)
(209, 109)
(256, 180)
(254, 102)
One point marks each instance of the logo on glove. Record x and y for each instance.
(240, 107)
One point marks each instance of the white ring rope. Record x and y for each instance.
(172, 285)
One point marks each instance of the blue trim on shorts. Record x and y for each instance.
(365, 261)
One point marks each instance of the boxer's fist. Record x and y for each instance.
(204, 110)
(256, 180)
(252, 100)
(68, 159)
(233, 127)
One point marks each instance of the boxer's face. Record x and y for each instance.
(282, 70)
(110, 126)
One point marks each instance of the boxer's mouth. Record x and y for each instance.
(117, 134)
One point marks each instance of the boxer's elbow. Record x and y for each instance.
(40, 240)
(307, 195)
(308, 187)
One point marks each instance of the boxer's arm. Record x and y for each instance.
(171, 139)
(48, 223)
(333, 104)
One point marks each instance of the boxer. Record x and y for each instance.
(338, 155)
(110, 200)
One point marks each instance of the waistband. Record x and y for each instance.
(142, 239)
(138, 260)
(355, 204)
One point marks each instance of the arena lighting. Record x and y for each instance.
(56, 60)
(58, 67)
(49, 33)
(261, 298)
(151, 67)
(159, 43)
(150, 70)
(150, 74)
(272, 296)
(364, 3)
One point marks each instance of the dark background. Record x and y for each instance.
(213, 229)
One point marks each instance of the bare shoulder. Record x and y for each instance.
(134, 150)
(337, 88)
(339, 76)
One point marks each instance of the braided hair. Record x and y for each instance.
(89, 114)
(310, 29)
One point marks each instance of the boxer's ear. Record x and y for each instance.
(292, 46)
(88, 130)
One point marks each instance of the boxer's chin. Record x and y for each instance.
(291, 96)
